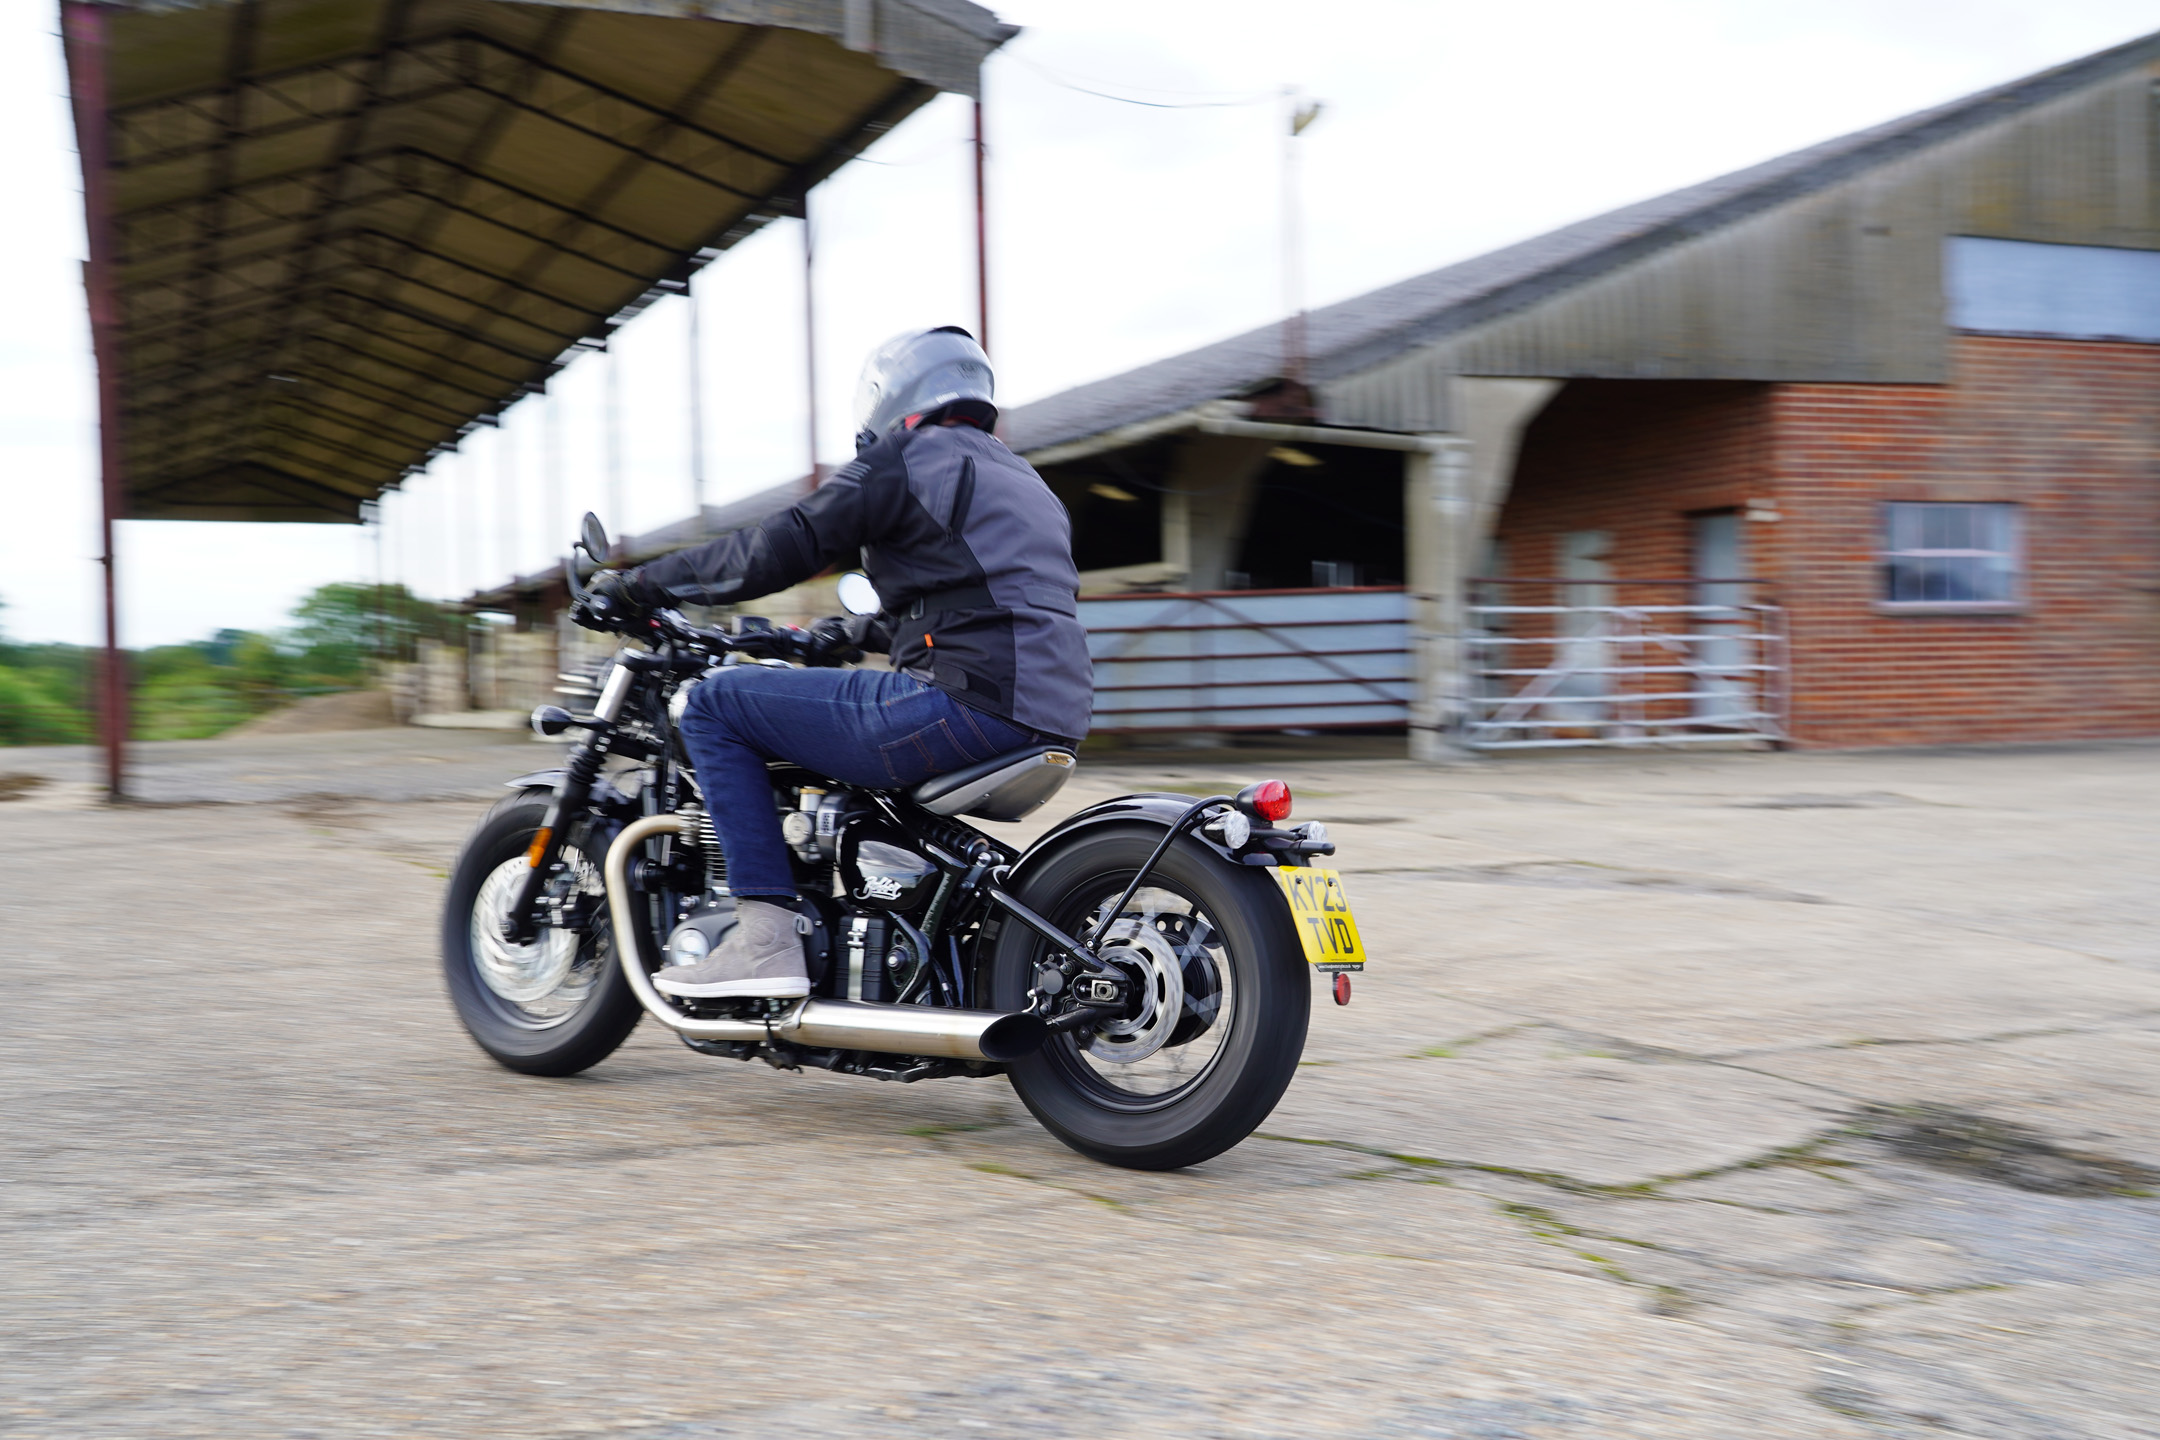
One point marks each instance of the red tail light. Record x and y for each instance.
(1269, 800)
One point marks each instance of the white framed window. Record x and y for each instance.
(1951, 555)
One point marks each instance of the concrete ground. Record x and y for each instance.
(1705, 1096)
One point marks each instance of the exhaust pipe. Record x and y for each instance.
(822, 1024)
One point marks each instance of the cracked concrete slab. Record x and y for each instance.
(1595, 1119)
(1627, 1011)
(2019, 1361)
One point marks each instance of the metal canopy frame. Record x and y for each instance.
(395, 218)
(330, 238)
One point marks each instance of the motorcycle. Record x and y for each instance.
(1138, 974)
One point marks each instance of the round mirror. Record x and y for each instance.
(858, 595)
(592, 538)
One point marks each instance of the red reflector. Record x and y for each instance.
(1272, 799)
(1342, 989)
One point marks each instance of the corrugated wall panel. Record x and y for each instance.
(1255, 660)
(1845, 284)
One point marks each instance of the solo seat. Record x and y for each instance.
(1004, 787)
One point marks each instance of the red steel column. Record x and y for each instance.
(83, 38)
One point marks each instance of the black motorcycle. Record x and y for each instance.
(1138, 973)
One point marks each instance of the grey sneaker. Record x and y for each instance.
(761, 958)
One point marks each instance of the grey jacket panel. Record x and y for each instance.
(1015, 538)
(930, 512)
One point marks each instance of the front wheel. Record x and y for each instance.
(1224, 1001)
(558, 1005)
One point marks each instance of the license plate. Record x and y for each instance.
(1322, 914)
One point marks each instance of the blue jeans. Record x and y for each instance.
(874, 728)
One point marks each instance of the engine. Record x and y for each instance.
(884, 886)
(871, 889)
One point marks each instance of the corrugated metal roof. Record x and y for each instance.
(347, 231)
(1728, 278)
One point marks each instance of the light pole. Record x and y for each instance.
(697, 406)
(1302, 113)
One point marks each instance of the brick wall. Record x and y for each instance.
(1635, 459)
(2070, 431)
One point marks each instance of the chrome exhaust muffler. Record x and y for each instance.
(824, 1024)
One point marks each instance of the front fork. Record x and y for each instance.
(522, 924)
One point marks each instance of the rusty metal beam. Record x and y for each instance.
(83, 40)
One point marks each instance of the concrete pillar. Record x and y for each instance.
(1454, 492)
(1207, 506)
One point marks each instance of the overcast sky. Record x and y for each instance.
(1120, 233)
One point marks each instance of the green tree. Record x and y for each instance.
(342, 625)
(202, 688)
(32, 713)
(179, 694)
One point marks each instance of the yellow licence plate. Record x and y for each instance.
(1322, 915)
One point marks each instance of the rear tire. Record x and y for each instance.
(1251, 1052)
(600, 1009)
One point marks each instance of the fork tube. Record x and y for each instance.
(521, 924)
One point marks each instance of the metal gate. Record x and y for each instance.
(1249, 659)
(1690, 662)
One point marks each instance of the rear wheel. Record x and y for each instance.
(553, 1007)
(1224, 1001)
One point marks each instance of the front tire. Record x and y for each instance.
(549, 1008)
(1195, 1072)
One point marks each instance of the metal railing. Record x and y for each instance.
(1249, 659)
(1694, 662)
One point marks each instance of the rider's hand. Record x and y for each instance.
(830, 640)
(612, 597)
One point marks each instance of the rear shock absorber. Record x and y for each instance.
(963, 840)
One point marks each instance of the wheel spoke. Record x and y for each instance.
(1163, 938)
(545, 981)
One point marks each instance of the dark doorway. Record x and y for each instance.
(1115, 501)
(1324, 516)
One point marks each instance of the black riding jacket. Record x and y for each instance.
(969, 550)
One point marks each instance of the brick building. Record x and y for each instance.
(1860, 446)
(2044, 452)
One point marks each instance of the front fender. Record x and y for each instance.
(604, 794)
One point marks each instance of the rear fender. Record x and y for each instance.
(1151, 807)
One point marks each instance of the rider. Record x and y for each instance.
(972, 559)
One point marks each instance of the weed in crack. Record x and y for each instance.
(940, 1131)
(1803, 1155)
(1108, 1202)
(1550, 1228)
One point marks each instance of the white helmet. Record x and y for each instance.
(918, 372)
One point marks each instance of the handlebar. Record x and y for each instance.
(824, 643)
(831, 641)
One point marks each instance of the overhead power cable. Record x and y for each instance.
(1056, 79)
